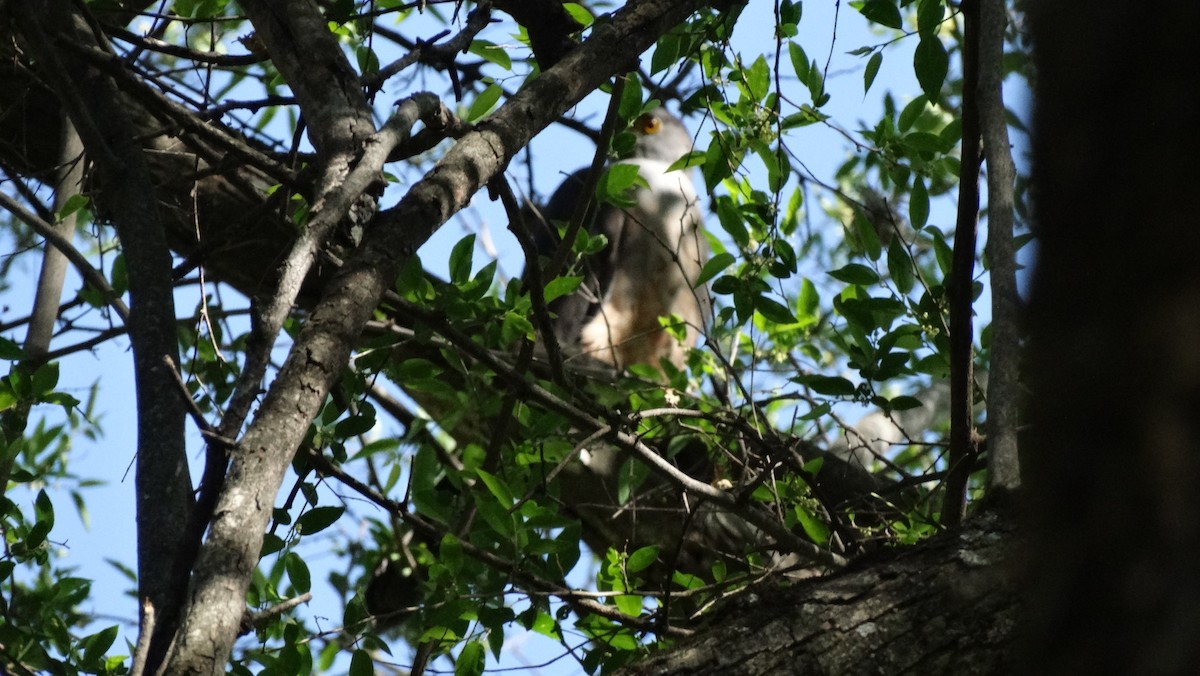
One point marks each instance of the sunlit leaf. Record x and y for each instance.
(483, 104)
(641, 559)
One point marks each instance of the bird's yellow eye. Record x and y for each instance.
(649, 124)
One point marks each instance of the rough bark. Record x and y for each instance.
(949, 605)
(1003, 387)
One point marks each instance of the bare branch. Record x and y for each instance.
(959, 286)
(1003, 394)
(54, 258)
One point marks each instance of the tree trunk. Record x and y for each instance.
(1115, 317)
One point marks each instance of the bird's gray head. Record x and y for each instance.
(661, 136)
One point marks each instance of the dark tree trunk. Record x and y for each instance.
(1115, 364)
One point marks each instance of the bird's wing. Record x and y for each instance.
(574, 310)
(654, 252)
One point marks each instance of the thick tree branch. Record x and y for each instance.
(322, 349)
(309, 57)
(1003, 394)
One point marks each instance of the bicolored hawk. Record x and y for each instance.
(647, 270)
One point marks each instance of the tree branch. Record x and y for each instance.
(322, 349)
(1003, 394)
(163, 485)
(960, 285)
(55, 257)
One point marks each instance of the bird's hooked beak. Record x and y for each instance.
(648, 124)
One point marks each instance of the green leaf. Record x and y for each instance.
(97, 644)
(814, 528)
(489, 51)
(271, 543)
(715, 266)
(44, 379)
(900, 267)
(719, 570)
(692, 159)
(873, 65)
(834, 386)
(918, 204)
(923, 141)
(616, 184)
(931, 63)
(497, 488)
(640, 560)
(773, 311)
(631, 98)
(666, 53)
(120, 276)
(43, 509)
(904, 403)
(561, 286)
(758, 79)
(808, 301)
(941, 249)
(732, 221)
(790, 12)
(483, 104)
(883, 12)
(929, 17)
(355, 425)
(579, 13)
(297, 572)
(855, 273)
(318, 519)
(718, 165)
(471, 660)
(74, 203)
(799, 61)
(630, 604)
(361, 664)
(686, 580)
(460, 260)
(911, 112)
(806, 116)
(368, 62)
(10, 350)
(451, 553)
